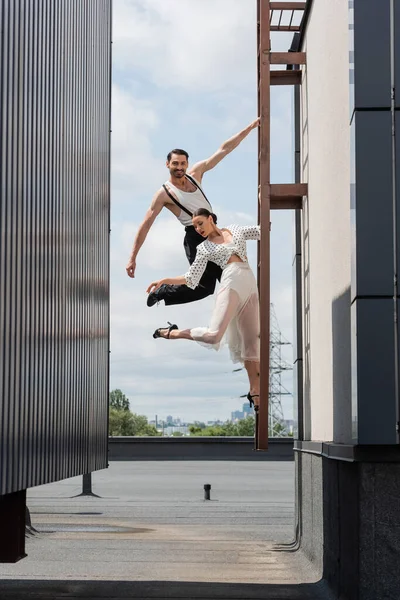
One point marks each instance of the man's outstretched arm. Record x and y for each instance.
(149, 218)
(201, 167)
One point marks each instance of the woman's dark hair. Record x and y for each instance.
(203, 212)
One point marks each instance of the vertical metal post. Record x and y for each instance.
(207, 491)
(87, 484)
(298, 273)
(264, 104)
(12, 527)
(395, 224)
(256, 428)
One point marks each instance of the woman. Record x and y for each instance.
(236, 311)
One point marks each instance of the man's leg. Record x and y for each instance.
(182, 294)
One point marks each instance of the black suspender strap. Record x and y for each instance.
(176, 202)
(198, 187)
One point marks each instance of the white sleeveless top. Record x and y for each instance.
(190, 200)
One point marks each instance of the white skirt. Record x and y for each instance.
(235, 318)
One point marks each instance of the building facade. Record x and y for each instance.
(346, 257)
(55, 68)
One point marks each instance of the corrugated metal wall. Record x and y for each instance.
(55, 68)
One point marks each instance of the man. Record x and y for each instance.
(182, 195)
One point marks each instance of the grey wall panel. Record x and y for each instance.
(55, 66)
(374, 397)
(373, 227)
(397, 50)
(373, 356)
(396, 165)
(371, 38)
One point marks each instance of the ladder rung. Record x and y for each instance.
(287, 195)
(287, 5)
(289, 189)
(285, 28)
(288, 58)
(286, 203)
(286, 77)
(291, 78)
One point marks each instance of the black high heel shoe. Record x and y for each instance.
(171, 327)
(251, 401)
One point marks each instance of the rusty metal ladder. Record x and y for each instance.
(271, 197)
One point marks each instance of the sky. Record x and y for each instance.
(184, 75)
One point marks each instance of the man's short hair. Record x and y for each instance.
(178, 151)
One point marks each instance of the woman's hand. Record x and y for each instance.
(153, 287)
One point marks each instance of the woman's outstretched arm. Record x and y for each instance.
(153, 287)
(191, 278)
(251, 232)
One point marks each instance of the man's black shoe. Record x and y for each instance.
(156, 297)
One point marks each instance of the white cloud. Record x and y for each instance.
(134, 123)
(162, 249)
(192, 45)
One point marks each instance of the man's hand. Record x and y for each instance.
(153, 287)
(201, 167)
(255, 123)
(131, 267)
(155, 208)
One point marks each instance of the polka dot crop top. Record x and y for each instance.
(221, 253)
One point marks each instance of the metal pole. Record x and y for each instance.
(394, 217)
(264, 215)
(87, 484)
(255, 427)
(298, 275)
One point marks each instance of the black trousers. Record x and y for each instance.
(181, 294)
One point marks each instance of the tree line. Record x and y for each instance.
(123, 422)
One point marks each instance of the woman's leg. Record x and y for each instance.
(249, 328)
(253, 372)
(225, 309)
(176, 334)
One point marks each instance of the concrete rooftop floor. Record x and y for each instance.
(150, 534)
